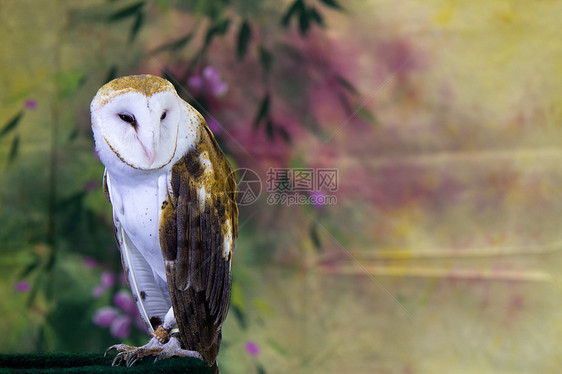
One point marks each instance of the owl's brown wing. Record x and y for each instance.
(198, 228)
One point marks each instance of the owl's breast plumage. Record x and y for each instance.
(137, 207)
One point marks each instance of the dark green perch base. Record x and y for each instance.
(94, 363)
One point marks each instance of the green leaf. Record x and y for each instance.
(366, 115)
(169, 77)
(284, 134)
(69, 82)
(263, 307)
(270, 129)
(314, 236)
(31, 266)
(345, 102)
(163, 5)
(244, 36)
(222, 27)
(219, 28)
(126, 12)
(297, 5)
(316, 17)
(263, 111)
(304, 22)
(278, 348)
(346, 84)
(266, 59)
(73, 134)
(174, 45)
(14, 149)
(111, 73)
(210, 8)
(240, 316)
(332, 4)
(11, 124)
(135, 28)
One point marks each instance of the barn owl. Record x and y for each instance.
(174, 209)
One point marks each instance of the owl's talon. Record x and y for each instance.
(132, 360)
(131, 355)
(117, 360)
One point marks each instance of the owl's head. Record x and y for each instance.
(135, 122)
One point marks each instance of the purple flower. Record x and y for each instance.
(125, 301)
(140, 323)
(252, 348)
(120, 327)
(215, 85)
(317, 198)
(90, 262)
(98, 290)
(195, 83)
(107, 279)
(22, 286)
(91, 186)
(214, 126)
(30, 104)
(123, 278)
(104, 316)
(209, 83)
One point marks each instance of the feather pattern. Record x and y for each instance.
(193, 238)
(151, 297)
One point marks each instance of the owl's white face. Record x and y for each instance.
(137, 129)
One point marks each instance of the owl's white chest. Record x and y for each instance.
(137, 205)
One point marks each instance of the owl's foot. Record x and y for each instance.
(129, 354)
(173, 349)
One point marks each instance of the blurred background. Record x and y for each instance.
(402, 207)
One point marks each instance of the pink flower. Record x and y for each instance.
(208, 84)
(252, 348)
(91, 186)
(22, 286)
(120, 319)
(90, 262)
(30, 104)
(317, 198)
(104, 316)
(125, 301)
(215, 85)
(98, 290)
(214, 126)
(140, 323)
(195, 83)
(107, 279)
(120, 327)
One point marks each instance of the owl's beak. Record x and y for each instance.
(150, 154)
(150, 150)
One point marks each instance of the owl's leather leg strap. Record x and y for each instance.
(161, 334)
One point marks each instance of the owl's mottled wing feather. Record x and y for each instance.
(197, 233)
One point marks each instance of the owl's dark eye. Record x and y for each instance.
(163, 116)
(128, 118)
